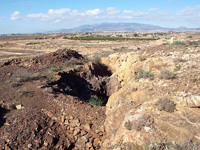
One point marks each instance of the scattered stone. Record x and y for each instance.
(81, 142)
(76, 131)
(87, 127)
(83, 132)
(29, 145)
(62, 118)
(6, 124)
(193, 101)
(88, 145)
(19, 107)
(96, 142)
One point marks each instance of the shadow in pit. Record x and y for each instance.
(3, 111)
(90, 84)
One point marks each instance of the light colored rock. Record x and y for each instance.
(126, 65)
(132, 113)
(192, 101)
(80, 143)
(87, 127)
(19, 107)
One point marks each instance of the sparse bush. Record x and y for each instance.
(85, 59)
(162, 146)
(177, 68)
(192, 43)
(189, 145)
(95, 101)
(72, 63)
(52, 79)
(144, 74)
(55, 69)
(143, 57)
(194, 80)
(23, 75)
(136, 35)
(128, 125)
(178, 43)
(166, 74)
(166, 105)
(26, 93)
(65, 37)
(189, 36)
(181, 60)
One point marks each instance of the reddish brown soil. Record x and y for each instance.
(48, 119)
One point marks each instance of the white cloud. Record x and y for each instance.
(94, 12)
(190, 14)
(136, 13)
(66, 15)
(153, 9)
(189, 11)
(15, 16)
(58, 11)
(112, 11)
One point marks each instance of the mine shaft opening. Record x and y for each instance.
(90, 83)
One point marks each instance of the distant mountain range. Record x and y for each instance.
(106, 27)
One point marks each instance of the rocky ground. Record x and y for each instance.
(147, 98)
(159, 100)
(46, 107)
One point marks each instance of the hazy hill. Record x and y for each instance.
(103, 27)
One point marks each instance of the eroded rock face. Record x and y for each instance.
(127, 65)
(133, 114)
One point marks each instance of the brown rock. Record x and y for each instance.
(76, 131)
(80, 143)
(96, 142)
(88, 145)
(86, 127)
(83, 132)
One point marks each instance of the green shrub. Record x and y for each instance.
(52, 79)
(144, 74)
(178, 43)
(194, 80)
(136, 35)
(85, 59)
(95, 101)
(55, 69)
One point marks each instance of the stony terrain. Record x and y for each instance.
(149, 94)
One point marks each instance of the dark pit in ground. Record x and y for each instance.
(89, 82)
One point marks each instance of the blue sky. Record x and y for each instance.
(29, 16)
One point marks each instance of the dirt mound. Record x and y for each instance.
(60, 56)
(57, 119)
(54, 58)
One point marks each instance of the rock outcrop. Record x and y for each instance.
(133, 114)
